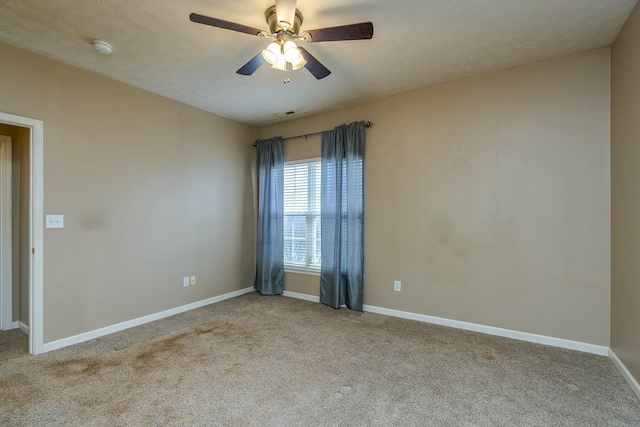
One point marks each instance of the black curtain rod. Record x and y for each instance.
(366, 124)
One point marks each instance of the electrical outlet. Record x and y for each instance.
(397, 285)
(55, 221)
(193, 280)
(185, 282)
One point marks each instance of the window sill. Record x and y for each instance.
(301, 270)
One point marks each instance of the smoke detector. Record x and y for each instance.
(102, 47)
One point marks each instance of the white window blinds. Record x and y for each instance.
(302, 215)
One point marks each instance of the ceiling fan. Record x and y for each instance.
(282, 53)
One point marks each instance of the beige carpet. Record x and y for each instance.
(277, 361)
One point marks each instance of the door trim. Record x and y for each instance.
(36, 228)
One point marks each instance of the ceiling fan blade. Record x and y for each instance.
(314, 66)
(251, 66)
(361, 31)
(285, 12)
(214, 22)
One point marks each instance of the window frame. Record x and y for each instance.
(307, 269)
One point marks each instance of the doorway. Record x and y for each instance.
(14, 229)
(30, 140)
(8, 134)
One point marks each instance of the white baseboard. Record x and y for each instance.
(297, 295)
(633, 383)
(24, 328)
(87, 336)
(491, 330)
(19, 325)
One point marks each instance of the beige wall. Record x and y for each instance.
(489, 198)
(151, 189)
(625, 194)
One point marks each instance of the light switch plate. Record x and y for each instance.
(55, 221)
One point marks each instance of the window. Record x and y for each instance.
(302, 216)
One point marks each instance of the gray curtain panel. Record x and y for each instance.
(270, 250)
(342, 214)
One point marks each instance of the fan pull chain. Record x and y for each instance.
(286, 74)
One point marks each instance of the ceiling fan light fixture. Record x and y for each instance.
(301, 62)
(280, 64)
(272, 53)
(291, 52)
(284, 22)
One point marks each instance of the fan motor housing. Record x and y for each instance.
(274, 26)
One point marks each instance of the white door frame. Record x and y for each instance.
(6, 251)
(36, 228)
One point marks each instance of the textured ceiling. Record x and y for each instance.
(416, 43)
